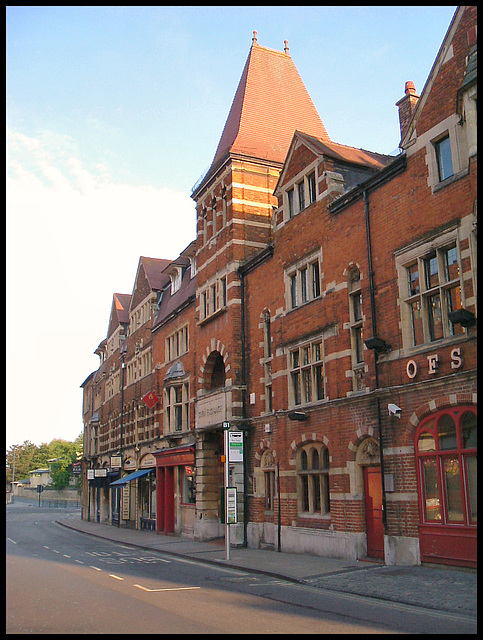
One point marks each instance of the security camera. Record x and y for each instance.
(394, 410)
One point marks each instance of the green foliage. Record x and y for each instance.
(58, 455)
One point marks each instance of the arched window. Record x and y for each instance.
(313, 479)
(446, 456)
(215, 375)
(268, 466)
(218, 373)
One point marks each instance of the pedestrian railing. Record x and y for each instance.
(56, 504)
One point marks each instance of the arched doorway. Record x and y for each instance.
(368, 460)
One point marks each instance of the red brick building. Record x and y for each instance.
(360, 331)
(327, 312)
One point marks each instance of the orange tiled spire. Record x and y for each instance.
(270, 103)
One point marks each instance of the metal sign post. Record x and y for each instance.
(226, 426)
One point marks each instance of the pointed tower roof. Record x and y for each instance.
(271, 102)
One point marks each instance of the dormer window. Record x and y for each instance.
(176, 277)
(300, 195)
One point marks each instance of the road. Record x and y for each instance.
(62, 581)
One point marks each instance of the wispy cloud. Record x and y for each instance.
(74, 236)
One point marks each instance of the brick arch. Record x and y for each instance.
(352, 266)
(450, 400)
(212, 353)
(367, 431)
(265, 445)
(307, 438)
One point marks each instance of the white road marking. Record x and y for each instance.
(173, 589)
(111, 575)
(65, 555)
(13, 541)
(96, 568)
(79, 561)
(46, 547)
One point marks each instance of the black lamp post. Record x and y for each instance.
(123, 366)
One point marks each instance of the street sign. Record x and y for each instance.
(231, 506)
(226, 425)
(39, 488)
(235, 446)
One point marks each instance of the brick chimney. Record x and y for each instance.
(407, 107)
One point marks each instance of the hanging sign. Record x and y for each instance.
(150, 399)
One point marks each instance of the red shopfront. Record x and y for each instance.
(175, 482)
(446, 449)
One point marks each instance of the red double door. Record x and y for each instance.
(373, 505)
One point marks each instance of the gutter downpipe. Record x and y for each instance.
(242, 271)
(374, 333)
(244, 407)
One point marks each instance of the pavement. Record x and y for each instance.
(432, 587)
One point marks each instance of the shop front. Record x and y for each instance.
(133, 499)
(446, 449)
(175, 490)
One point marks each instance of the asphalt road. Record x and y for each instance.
(61, 581)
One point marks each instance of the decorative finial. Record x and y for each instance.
(254, 39)
(286, 49)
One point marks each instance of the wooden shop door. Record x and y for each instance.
(373, 505)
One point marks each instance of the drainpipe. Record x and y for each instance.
(374, 334)
(242, 271)
(119, 490)
(244, 407)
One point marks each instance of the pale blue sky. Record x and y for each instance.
(113, 113)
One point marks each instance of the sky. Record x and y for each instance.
(113, 114)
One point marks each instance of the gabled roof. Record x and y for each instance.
(172, 303)
(445, 54)
(121, 302)
(150, 276)
(119, 311)
(344, 153)
(153, 268)
(340, 152)
(271, 102)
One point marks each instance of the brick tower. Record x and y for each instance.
(234, 202)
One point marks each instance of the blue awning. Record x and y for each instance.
(131, 476)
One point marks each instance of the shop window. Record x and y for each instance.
(188, 485)
(313, 480)
(446, 455)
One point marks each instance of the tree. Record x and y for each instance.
(58, 455)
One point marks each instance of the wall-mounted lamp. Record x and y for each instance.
(297, 415)
(463, 317)
(378, 344)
